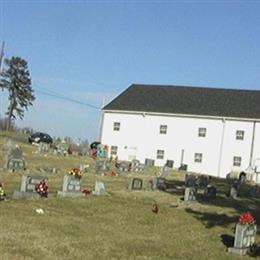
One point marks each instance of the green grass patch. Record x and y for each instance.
(119, 226)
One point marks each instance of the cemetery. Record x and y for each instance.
(91, 206)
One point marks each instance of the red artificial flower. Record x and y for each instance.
(42, 188)
(247, 219)
(87, 191)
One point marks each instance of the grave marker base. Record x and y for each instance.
(25, 195)
(238, 251)
(70, 194)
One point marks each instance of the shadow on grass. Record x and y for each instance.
(227, 240)
(212, 219)
(254, 251)
(244, 203)
(175, 187)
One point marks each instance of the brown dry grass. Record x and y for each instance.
(120, 226)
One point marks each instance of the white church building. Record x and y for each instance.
(211, 130)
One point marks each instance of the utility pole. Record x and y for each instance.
(2, 55)
(101, 121)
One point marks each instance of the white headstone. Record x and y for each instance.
(100, 189)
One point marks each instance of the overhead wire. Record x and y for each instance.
(59, 96)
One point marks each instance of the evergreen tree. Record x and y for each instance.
(15, 78)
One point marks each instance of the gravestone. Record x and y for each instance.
(159, 183)
(100, 189)
(167, 169)
(202, 181)
(233, 193)
(135, 184)
(28, 187)
(137, 166)
(102, 151)
(43, 148)
(190, 180)
(210, 192)
(8, 146)
(124, 166)
(190, 194)
(254, 191)
(15, 159)
(84, 168)
(71, 187)
(61, 149)
(183, 167)
(149, 162)
(102, 166)
(165, 172)
(234, 190)
(244, 238)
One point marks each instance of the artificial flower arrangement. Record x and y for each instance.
(247, 219)
(2, 192)
(42, 188)
(87, 191)
(76, 172)
(112, 174)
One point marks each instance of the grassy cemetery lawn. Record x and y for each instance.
(119, 226)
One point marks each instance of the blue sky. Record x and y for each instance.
(92, 50)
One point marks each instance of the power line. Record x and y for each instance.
(67, 99)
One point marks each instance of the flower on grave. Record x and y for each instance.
(155, 208)
(112, 174)
(76, 172)
(247, 219)
(93, 153)
(87, 191)
(42, 188)
(2, 192)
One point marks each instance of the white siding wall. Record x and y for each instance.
(257, 141)
(233, 147)
(140, 136)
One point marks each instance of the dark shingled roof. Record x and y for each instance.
(188, 100)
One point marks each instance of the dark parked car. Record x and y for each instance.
(40, 137)
(94, 145)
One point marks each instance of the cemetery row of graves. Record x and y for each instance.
(189, 190)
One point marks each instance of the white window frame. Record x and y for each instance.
(202, 131)
(198, 157)
(240, 134)
(163, 129)
(116, 126)
(237, 160)
(160, 154)
(113, 150)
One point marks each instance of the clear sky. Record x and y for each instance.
(93, 50)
